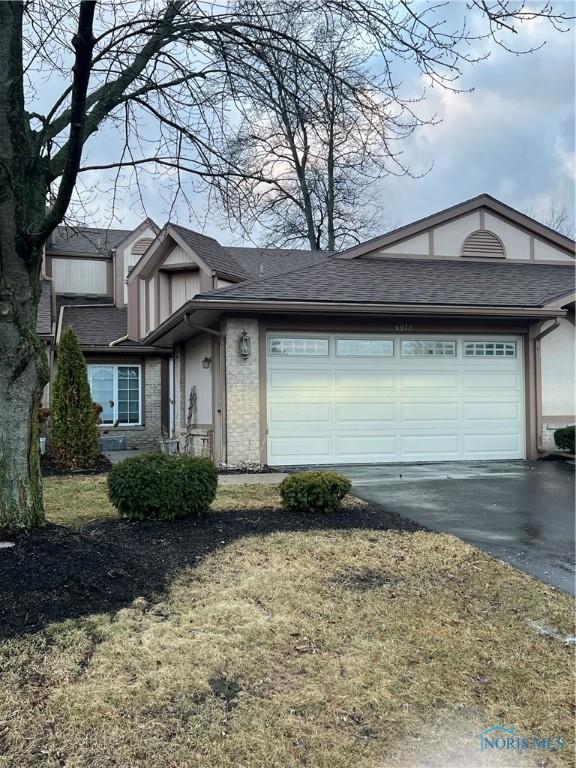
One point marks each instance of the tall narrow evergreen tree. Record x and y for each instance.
(74, 436)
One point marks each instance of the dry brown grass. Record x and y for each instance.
(325, 649)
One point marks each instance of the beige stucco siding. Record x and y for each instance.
(412, 246)
(558, 371)
(195, 375)
(448, 238)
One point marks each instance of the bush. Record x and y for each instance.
(313, 491)
(73, 433)
(564, 438)
(161, 486)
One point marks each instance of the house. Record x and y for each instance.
(451, 338)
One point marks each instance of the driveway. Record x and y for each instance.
(521, 512)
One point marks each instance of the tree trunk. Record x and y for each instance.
(23, 366)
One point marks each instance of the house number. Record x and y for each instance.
(403, 327)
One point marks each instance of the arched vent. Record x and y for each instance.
(483, 243)
(140, 246)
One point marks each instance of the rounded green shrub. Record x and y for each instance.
(313, 491)
(564, 438)
(160, 486)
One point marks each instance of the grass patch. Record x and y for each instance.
(324, 647)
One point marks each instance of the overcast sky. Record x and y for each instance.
(511, 136)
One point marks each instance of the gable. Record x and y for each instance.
(481, 228)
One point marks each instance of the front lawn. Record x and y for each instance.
(257, 639)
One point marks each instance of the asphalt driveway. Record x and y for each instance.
(521, 512)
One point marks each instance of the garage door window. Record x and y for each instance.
(490, 349)
(428, 348)
(278, 345)
(364, 347)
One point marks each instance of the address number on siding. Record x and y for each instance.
(403, 327)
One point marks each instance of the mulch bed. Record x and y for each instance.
(57, 573)
(49, 468)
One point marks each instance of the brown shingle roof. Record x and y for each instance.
(85, 241)
(214, 255)
(267, 262)
(411, 281)
(96, 325)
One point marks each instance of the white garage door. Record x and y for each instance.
(339, 398)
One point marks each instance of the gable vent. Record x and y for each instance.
(483, 243)
(140, 246)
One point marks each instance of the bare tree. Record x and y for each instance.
(557, 216)
(158, 72)
(322, 136)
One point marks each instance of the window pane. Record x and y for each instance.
(490, 349)
(128, 394)
(102, 390)
(364, 347)
(310, 347)
(428, 348)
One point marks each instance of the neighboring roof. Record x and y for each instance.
(85, 241)
(63, 299)
(95, 325)
(448, 214)
(410, 281)
(209, 250)
(44, 316)
(266, 262)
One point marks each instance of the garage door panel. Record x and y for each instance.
(491, 411)
(489, 443)
(430, 411)
(310, 449)
(366, 448)
(308, 413)
(334, 409)
(300, 380)
(426, 380)
(365, 413)
(364, 379)
(494, 380)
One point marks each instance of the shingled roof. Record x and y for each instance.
(85, 241)
(214, 255)
(410, 281)
(95, 325)
(267, 262)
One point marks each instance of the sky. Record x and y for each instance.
(511, 133)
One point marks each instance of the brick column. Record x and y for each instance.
(242, 393)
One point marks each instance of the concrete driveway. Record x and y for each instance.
(521, 512)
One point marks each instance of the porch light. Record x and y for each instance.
(244, 346)
(207, 362)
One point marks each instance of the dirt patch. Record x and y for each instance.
(57, 572)
(365, 579)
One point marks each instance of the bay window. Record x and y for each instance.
(117, 388)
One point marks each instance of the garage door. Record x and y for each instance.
(338, 399)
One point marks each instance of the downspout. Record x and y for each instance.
(222, 375)
(538, 382)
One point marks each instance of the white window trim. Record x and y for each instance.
(367, 357)
(115, 367)
(298, 338)
(430, 341)
(473, 342)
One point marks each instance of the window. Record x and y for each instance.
(428, 348)
(364, 347)
(117, 389)
(489, 349)
(278, 345)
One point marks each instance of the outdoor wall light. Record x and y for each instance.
(207, 362)
(244, 346)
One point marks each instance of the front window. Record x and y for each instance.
(303, 347)
(117, 389)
